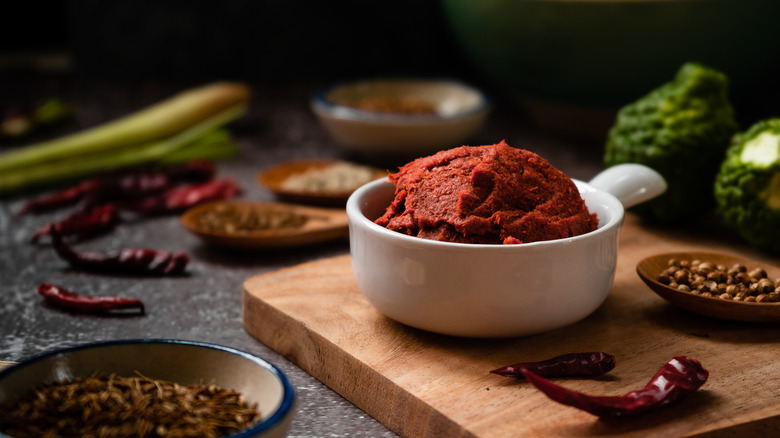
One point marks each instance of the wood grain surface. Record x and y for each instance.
(421, 384)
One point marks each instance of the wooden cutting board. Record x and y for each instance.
(420, 384)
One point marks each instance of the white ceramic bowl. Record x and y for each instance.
(493, 290)
(460, 111)
(184, 362)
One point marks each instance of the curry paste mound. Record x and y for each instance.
(486, 194)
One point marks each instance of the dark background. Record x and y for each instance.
(269, 40)
(312, 43)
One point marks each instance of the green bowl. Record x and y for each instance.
(606, 53)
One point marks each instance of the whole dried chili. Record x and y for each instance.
(99, 219)
(192, 171)
(140, 184)
(68, 300)
(678, 378)
(181, 198)
(137, 261)
(68, 196)
(566, 365)
(131, 185)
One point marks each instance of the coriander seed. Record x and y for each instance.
(737, 283)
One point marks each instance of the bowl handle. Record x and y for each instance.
(631, 183)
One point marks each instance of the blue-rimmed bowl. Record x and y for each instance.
(184, 362)
(460, 111)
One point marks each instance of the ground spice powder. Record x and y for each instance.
(240, 220)
(113, 406)
(393, 104)
(338, 177)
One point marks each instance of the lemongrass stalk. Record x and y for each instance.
(152, 123)
(133, 155)
(210, 147)
(87, 165)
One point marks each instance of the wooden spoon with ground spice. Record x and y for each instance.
(261, 225)
(317, 182)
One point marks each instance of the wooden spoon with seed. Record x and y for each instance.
(650, 268)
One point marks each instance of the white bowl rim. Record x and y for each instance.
(285, 408)
(354, 213)
(320, 102)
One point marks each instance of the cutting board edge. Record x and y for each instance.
(416, 418)
(759, 427)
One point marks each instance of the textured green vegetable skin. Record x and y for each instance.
(742, 190)
(682, 130)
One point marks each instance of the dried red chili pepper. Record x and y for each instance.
(137, 261)
(140, 184)
(131, 185)
(181, 198)
(69, 196)
(68, 300)
(678, 378)
(98, 220)
(566, 365)
(198, 170)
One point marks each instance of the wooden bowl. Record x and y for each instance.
(650, 268)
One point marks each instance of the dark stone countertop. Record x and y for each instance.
(206, 304)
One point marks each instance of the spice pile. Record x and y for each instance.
(338, 177)
(237, 219)
(707, 279)
(113, 406)
(393, 104)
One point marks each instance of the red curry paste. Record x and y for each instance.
(486, 194)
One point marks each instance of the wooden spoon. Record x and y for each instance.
(650, 267)
(322, 224)
(274, 179)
